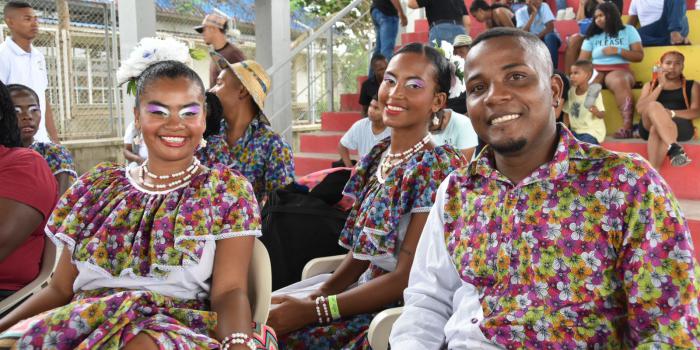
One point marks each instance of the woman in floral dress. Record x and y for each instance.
(154, 256)
(394, 188)
(246, 141)
(28, 118)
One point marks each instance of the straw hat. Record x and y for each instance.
(212, 20)
(462, 40)
(254, 78)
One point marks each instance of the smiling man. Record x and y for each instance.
(544, 241)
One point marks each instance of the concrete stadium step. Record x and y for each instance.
(350, 103)
(613, 119)
(691, 211)
(307, 163)
(683, 180)
(320, 142)
(338, 121)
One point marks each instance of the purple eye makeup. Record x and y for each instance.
(190, 111)
(418, 83)
(157, 110)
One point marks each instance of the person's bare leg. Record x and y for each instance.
(620, 83)
(573, 49)
(141, 341)
(655, 149)
(661, 119)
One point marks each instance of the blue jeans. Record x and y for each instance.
(386, 28)
(561, 5)
(446, 32)
(586, 138)
(553, 42)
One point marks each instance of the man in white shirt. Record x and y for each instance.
(546, 242)
(661, 22)
(22, 63)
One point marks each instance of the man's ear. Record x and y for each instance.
(557, 88)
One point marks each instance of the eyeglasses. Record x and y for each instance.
(219, 60)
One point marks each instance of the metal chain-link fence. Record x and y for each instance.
(81, 48)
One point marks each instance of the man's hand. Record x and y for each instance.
(532, 9)
(404, 20)
(677, 38)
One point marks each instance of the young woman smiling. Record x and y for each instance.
(394, 187)
(155, 256)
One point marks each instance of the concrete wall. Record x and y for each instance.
(88, 153)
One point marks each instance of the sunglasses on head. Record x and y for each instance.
(219, 60)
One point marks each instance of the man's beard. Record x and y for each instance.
(510, 146)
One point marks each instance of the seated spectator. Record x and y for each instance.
(668, 104)
(163, 263)
(545, 242)
(446, 18)
(246, 141)
(537, 18)
(584, 17)
(493, 16)
(27, 196)
(611, 46)
(661, 23)
(370, 86)
(364, 134)
(135, 150)
(584, 109)
(28, 112)
(461, 45)
(461, 48)
(394, 187)
(451, 128)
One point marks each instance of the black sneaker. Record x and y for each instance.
(678, 156)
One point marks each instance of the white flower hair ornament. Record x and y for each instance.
(457, 86)
(149, 51)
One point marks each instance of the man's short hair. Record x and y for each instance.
(585, 65)
(376, 57)
(529, 40)
(15, 5)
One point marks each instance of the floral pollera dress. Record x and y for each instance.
(118, 231)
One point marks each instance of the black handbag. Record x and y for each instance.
(298, 226)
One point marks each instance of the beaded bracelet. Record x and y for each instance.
(322, 310)
(333, 305)
(238, 338)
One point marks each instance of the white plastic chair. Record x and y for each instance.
(380, 327)
(260, 283)
(48, 264)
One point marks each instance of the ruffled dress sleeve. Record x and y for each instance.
(117, 228)
(58, 158)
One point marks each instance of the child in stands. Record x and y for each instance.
(28, 111)
(584, 108)
(668, 104)
(364, 134)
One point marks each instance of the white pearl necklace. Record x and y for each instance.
(391, 160)
(189, 172)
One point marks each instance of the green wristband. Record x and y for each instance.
(333, 304)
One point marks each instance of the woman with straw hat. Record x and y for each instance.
(246, 141)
